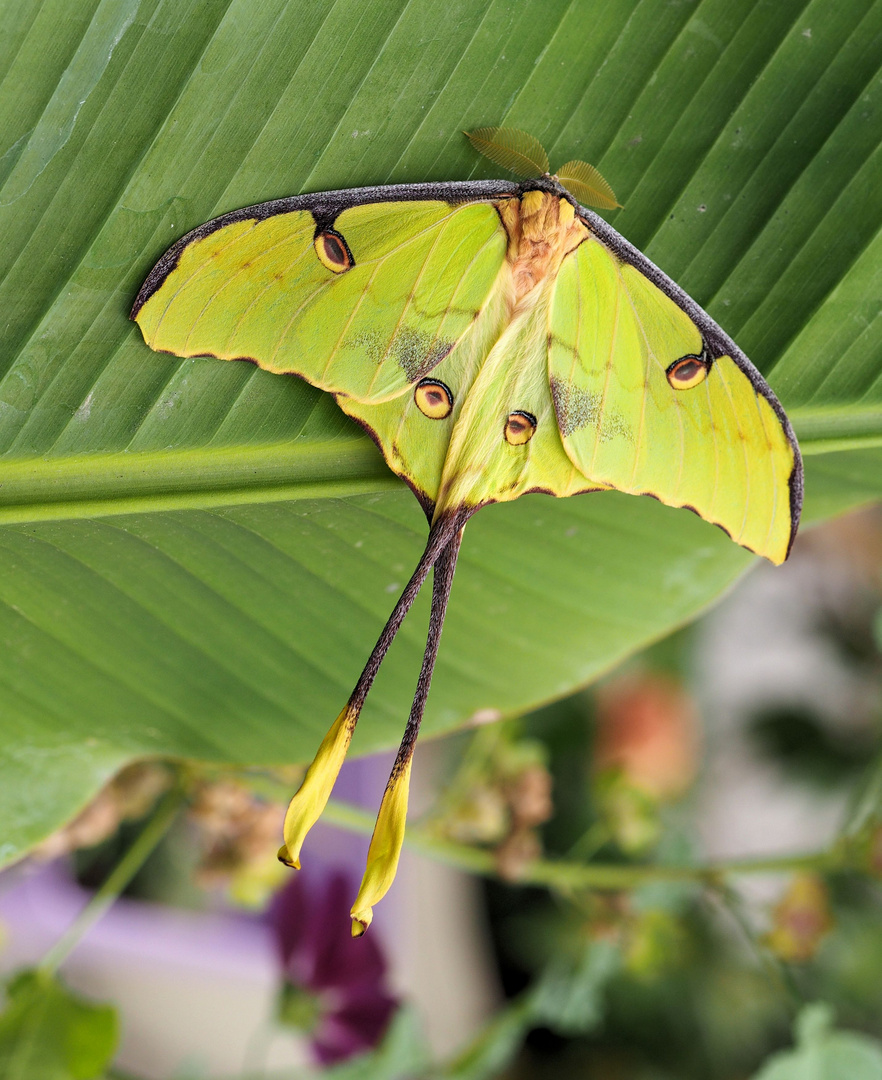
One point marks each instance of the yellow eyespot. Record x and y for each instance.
(433, 398)
(333, 251)
(687, 372)
(519, 428)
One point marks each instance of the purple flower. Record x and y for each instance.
(335, 985)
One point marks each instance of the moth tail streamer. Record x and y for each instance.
(306, 807)
(308, 803)
(388, 835)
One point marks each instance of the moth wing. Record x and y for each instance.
(419, 273)
(720, 447)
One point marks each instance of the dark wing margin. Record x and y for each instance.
(324, 206)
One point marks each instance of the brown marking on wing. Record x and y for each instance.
(575, 408)
(415, 351)
(554, 494)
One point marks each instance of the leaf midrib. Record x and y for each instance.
(831, 428)
(52, 488)
(95, 485)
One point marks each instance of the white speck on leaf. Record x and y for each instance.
(84, 411)
(485, 716)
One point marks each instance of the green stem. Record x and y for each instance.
(779, 974)
(590, 842)
(116, 882)
(567, 876)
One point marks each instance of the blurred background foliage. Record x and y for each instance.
(197, 556)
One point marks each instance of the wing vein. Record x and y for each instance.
(713, 428)
(743, 442)
(774, 472)
(230, 280)
(609, 366)
(198, 270)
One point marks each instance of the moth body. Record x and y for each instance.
(542, 228)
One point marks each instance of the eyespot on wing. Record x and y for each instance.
(433, 398)
(687, 372)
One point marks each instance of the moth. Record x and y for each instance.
(494, 338)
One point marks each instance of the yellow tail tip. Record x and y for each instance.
(361, 920)
(384, 850)
(285, 857)
(305, 808)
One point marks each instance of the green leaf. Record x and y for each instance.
(494, 1046)
(47, 1032)
(569, 995)
(567, 998)
(197, 556)
(825, 1054)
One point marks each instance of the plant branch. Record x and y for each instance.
(116, 882)
(569, 876)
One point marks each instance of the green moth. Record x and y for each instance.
(494, 338)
